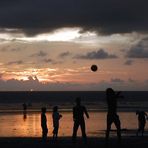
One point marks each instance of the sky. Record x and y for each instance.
(50, 45)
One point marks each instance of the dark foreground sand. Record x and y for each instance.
(65, 142)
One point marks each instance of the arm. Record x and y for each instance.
(74, 114)
(86, 113)
(118, 95)
(60, 116)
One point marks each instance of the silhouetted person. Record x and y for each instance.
(56, 117)
(44, 123)
(112, 116)
(24, 115)
(24, 111)
(141, 121)
(78, 117)
(24, 106)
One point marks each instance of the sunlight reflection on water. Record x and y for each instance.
(15, 125)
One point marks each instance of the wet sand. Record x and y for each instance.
(95, 126)
(66, 142)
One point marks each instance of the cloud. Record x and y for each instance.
(1, 75)
(117, 80)
(7, 49)
(140, 50)
(34, 17)
(128, 62)
(30, 78)
(131, 80)
(39, 54)
(48, 60)
(100, 54)
(15, 49)
(15, 62)
(51, 61)
(34, 84)
(64, 54)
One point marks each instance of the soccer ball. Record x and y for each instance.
(94, 68)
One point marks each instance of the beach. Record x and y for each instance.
(18, 124)
(19, 129)
(26, 133)
(65, 142)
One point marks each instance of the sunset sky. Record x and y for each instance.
(51, 44)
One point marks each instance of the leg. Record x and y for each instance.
(139, 128)
(57, 128)
(118, 126)
(44, 133)
(142, 129)
(75, 128)
(54, 133)
(83, 130)
(109, 122)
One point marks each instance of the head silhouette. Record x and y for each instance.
(78, 101)
(55, 108)
(110, 92)
(43, 109)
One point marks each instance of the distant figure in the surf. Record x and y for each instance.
(142, 116)
(24, 115)
(112, 116)
(44, 123)
(24, 106)
(56, 117)
(78, 117)
(24, 111)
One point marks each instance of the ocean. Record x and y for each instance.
(93, 100)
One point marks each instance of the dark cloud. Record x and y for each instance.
(48, 60)
(30, 78)
(128, 62)
(51, 61)
(140, 50)
(131, 80)
(6, 49)
(39, 54)
(100, 54)
(34, 84)
(15, 62)
(64, 54)
(31, 83)
(106, 16)
(15, 49)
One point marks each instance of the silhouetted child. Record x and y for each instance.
(112, 116)
(24, 106)
(24, 111)
(56, 117)
(44, 123)
(141, 121)
(78, 117)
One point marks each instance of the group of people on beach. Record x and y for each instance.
(56, 117)
(78, 118)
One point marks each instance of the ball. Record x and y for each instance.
(94, 68)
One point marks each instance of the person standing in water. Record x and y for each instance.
(112, 116)
(24, 111)
(141, 121)
(78, 117)
(56, 117)
(44, 123)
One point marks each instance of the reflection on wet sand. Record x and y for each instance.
(14, 126)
